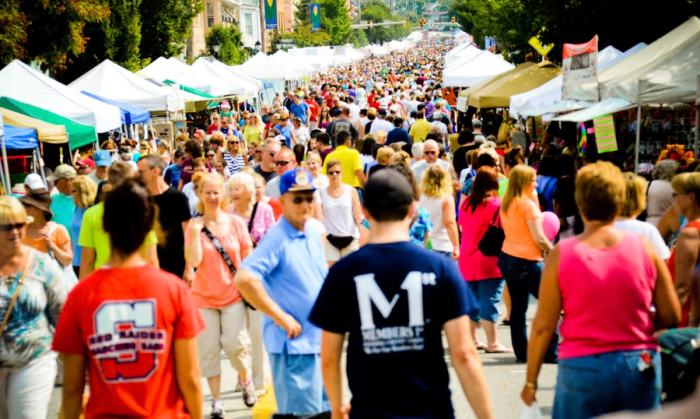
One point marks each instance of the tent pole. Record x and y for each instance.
(5, 167)
(697, 117)
(41, 166)
(638, 134)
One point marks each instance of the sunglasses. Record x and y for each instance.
(211, 155)
(10, 227)
(299, 199)
(334, 172)
(430, 152)
(233, 142)
(282, 163)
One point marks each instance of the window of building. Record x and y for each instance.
(210, 15)
(249, 24)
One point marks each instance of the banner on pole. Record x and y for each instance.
(605, 139)
(315, 16)
(270, 14)
(580, 71)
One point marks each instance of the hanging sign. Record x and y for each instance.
(605, 139)
(315, 16)
(580, 71)
(270, 14)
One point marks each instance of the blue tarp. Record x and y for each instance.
(19, 138)
(131, 114)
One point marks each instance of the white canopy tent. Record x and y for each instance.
(481, 67)
(224, 79)
(248, 85)
(114, 82)
(663, 72)
(545, 99)
(23, 83)
(162, 69)
(217, 87)
(458, 60)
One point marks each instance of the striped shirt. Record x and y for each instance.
(234, 164)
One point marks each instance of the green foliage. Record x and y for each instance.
(513, 22)
(335, 20)
(377, 11)
(231, 49)
(13, 31)
(303, 36)
(302, 15)
(166, 26)
(358, 38)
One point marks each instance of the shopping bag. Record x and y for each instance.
(530, 412)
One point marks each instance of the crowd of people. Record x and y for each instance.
(353, 205)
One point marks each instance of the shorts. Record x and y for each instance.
(334, 255)
(488, 292)
(298, 384)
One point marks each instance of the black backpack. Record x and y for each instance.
(680, 362)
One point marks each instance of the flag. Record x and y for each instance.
(315, 16)
(270, 14)
(583, 140)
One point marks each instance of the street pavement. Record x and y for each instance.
(504, 378)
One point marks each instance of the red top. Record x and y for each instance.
(125, 321)
(606, 295)
(313, 110)
(212, 128)
(473, 264)
(685, 310)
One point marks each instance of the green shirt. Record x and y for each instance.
(93, 235)
(63, 209)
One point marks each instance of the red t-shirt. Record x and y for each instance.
(313, 110)
(211, 128)
(125, 322)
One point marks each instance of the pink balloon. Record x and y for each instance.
(550, 224)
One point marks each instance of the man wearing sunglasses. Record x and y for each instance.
(284, 162)
(291, 263)
(431, 156)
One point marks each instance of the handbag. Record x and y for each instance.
(492, 241)
(339, 242)
(250, 223)
(227, 259)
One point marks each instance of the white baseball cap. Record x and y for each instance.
(33, 181)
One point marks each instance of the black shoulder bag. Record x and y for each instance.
(227, 259)
(492, 241)
(250, 223)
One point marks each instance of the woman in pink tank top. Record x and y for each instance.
(605, 281)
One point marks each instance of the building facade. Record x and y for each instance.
(244, 14)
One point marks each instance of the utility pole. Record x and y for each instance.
(261, 5)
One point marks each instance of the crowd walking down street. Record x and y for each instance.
(354, 248)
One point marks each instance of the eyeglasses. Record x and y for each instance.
(430, 152)
(282, 163)
(9, 227)
(211, 155)
(334, 172)
(233, 142)
(299, 199)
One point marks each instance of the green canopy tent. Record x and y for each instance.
(78, 134)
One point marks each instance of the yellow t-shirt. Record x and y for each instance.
(350, 163)
(92, 235)
(419, 130)
(519, 241)
(251, 135)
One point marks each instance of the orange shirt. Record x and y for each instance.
(213, 286)
(57, 234)
(519, 241)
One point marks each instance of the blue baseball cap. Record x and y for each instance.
(102, 158)
(296, 180)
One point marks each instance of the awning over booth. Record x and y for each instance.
(21, 82)
(527, 76)
(78, 134)
(131, 114)
(20, 138)
(604, 107)
(48, 133)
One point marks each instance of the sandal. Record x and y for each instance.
(498, 349)
(480, 346)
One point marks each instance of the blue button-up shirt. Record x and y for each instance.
(292, 266)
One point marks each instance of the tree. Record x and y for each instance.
(335, 20)
(377, 11)
(303, 36)
(231, 46)
(117, 38)
(13, 31)
(358, 38)
(50, 32)
(165, 26)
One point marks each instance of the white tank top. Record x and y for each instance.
(337, 213)
(438, 236)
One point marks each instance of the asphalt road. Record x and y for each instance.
(504, 377)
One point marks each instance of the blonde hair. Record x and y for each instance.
(400, 157)
(520, 177)
(436, 182)
(384, 155)
(600, 191)
(12, 211)
(686, 183)
(86, 191)
(312, 155)
(215, 179)
(636, 197)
